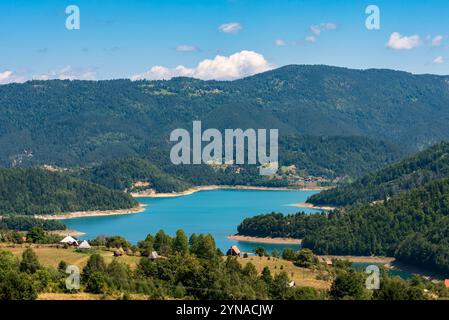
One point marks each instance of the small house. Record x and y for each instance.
(84, 245)
(70, 240)
(153, 255)
(233, 251)
(446, 283)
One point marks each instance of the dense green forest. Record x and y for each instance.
(36, 191)
(69, 123)
(336, 156)
(121, 174)
(428, 165)
(24, 223)
(412, 226)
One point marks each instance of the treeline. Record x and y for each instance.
(193, 268)
(277, 225)
(35, 191)
(413, 172)
(122, 174)
(412, 227)
(20, 223)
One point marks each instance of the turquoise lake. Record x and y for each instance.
(217, 212)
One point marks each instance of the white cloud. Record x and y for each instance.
(9, 76)
(399, 42)
(316, 30)
(231, 27)
(68, 73)
(438, 60)
(279, 42)
(311, 38)
(6, 76)
(437, 40)
(186, 48)
(237, 65)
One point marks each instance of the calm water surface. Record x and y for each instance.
(217, 212)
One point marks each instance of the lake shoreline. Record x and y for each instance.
(268, 240)
(311, 206)
(65, 233)
(93, 213)
(386, 261)
(153, 194)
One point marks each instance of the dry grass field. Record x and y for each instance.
(88, 296)
(51, 256)
(302, 277)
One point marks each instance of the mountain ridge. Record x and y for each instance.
(77, 122)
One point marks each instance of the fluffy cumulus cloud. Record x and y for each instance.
(438, 60)
(399, 42)
(237, 65)
(6, 76)
(231, 27)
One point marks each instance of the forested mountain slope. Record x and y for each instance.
(412, 226)
(415, 171)
(124, 174)
(69, 123)
(35, 191)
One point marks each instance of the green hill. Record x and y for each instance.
(412, 226)
(69, 123)
(415, 171)
(122, 174)
(35, 191)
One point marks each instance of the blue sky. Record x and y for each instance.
(127, 38)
